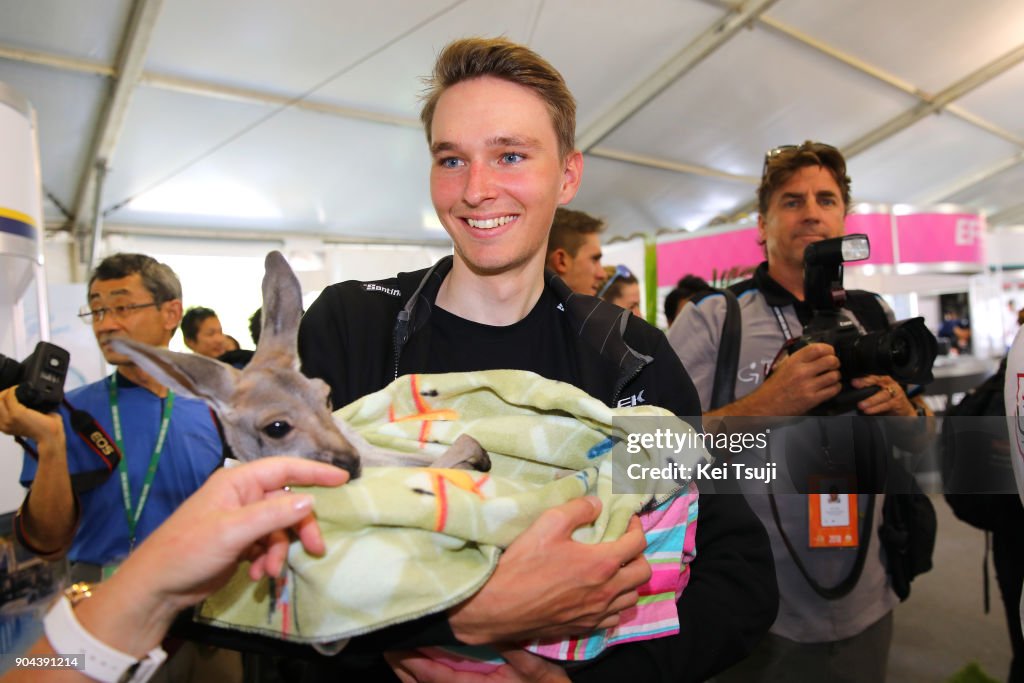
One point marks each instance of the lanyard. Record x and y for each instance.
(154, 459)
(780, 318)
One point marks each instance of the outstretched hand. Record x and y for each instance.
(239, 513)
(547, 585)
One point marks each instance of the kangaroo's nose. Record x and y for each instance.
(349, 463)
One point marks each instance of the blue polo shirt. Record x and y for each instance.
(192, 451)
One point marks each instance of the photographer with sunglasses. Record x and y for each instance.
(835, 616)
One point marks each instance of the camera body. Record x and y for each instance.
(904, 352)
(40, 377)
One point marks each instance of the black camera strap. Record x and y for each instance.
(98, 441)
(845, 586)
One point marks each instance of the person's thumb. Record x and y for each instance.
(561, 521)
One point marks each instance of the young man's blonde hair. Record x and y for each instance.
(470, 58)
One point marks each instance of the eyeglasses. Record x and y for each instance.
(809, 146)
(620, 271)
(96, 315)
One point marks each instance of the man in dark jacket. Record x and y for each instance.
(500, 124)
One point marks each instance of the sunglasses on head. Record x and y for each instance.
(620, 271)
(808, 146)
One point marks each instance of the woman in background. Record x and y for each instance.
(621, 288)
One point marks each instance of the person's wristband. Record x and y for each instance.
(102, 662)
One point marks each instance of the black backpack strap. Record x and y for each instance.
(727, 365)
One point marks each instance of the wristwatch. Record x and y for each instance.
(102, 662)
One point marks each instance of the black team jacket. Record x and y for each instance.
(359, 336)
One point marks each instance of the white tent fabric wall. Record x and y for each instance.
(985, 293)
(248, 115)
(374, 262)
(226, 275)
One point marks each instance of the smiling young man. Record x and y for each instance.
(500, 125)
(130, 296)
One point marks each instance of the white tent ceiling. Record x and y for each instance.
(242, 117)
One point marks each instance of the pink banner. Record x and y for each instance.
(708, 255)
(878, 228)
(923, 238)
(711, 255)
(941, 238)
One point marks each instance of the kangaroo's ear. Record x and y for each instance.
(282, 307)
(186, 373)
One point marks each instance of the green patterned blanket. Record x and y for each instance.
(405, 542)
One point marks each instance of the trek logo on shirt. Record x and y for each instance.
(631, 401)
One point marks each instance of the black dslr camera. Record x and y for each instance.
(905, 352)
(40, 377)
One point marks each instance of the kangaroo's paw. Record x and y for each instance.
(465, 453)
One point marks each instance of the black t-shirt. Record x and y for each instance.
(540, 343)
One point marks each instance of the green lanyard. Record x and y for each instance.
(122, 467)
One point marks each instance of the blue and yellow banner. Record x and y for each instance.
(17, 223)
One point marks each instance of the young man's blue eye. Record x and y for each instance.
(511, 157)
(450, 162)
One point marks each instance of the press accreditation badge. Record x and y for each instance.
(832, 513)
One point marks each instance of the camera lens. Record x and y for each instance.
(905, 353)
(900, 352)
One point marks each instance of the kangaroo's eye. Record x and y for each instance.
(277, 429)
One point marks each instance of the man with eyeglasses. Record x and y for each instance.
(803, 197)
(169, 444)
